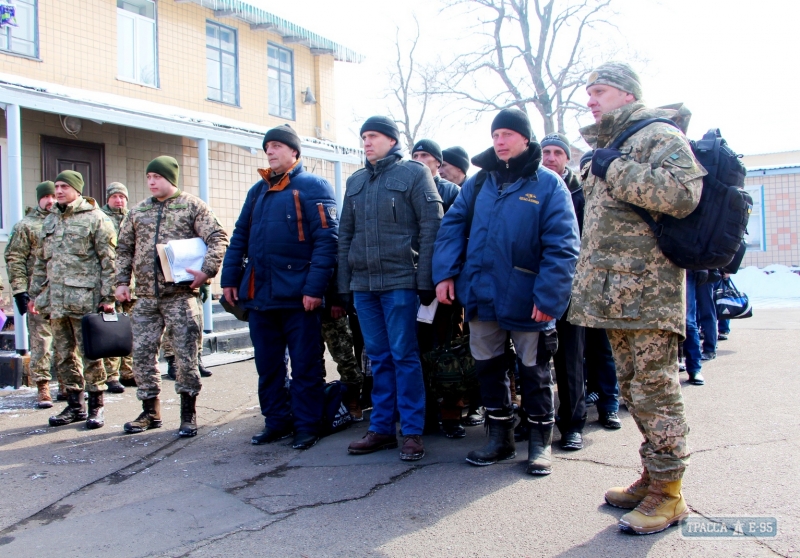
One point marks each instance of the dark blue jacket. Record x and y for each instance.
(289, 236)
(447, 191)
(521, 250)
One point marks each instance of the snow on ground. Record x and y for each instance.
(775, 286)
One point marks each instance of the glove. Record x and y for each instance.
(426, 297)
(22, 300)
(602, 159)
(205, 292)
(700, 277)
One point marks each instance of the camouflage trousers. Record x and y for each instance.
(40, 339)
(117, 367)
(339, 340)
(166, 339)
(76, 372)
(647, 372)
(181, 314)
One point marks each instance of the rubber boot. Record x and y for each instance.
(75, 411)
(188, 416)
(171, 367)
(43, 399)
(149, 418)
(540, 441)
(500, 424)
(629, 497)
(96, 417)
(663, 507)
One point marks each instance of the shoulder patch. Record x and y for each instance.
(178, 205)
(332, 211)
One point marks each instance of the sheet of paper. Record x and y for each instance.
(185, 254)
(425, 314)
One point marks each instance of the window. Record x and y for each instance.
(22, 38)
(223, 77)
(136, 41)
(755, 239)
(281, 82)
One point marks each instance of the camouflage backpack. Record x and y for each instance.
(450, 369)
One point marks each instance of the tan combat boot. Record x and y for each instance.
(628, 498)
(43, 399)
(663, 507)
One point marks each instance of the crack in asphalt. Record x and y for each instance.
(743, 444)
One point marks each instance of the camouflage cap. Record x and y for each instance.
(116, 188)
(616, 74)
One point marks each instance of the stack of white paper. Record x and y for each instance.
(185, 254)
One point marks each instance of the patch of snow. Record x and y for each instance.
(771, 282)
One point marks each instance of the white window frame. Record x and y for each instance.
(35, 29)
(235, 54)
(6, 227)
(139, 20)
(294, 100)
(760, 224)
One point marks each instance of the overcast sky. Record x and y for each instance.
(731, 62)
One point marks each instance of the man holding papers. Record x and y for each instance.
(168, 215)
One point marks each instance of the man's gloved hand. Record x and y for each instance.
(426, 297)
(22, 300)
(602, 159)
(205, 292)
(700, 277)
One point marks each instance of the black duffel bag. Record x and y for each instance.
(106, 335)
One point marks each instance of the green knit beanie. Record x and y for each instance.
(167, 167)
(46, 188)
(73, 178)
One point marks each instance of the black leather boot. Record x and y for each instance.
(171, 367)
(204, 372)
(500, 424)
(188, 416)
(96, 416)
(150, 417)
(75, 411)
(539, 447)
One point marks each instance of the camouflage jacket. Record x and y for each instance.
(21, 249)
(116, 216)
(74, 269)
(623, 280)
(152, 222)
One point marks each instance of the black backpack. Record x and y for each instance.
(713, 233)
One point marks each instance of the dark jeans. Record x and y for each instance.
(570, 378)
(601, 372)
(691, 346)
(707, 316)
(271, 332)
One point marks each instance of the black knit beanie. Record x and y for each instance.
(167, 167)
(456, 156)
(284, 134)
(383, 125)
(430, 147)
(559, 140)
(513, 119)
(46, 188)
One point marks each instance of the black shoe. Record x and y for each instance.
(696, 378)
(75, 411)
(204, 372)
(708, 356)
(171, 367)
(722, 337)
(452, 429)
(572, 441)
(128, 382)
(96, 416)
(474, 417)
(188, 416)
(114, 386)
(682, 365)
(610, 421)
(304, 440)
(269, 435)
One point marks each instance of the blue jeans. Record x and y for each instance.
(300, 407)
(707, 316)
(389, 323)
(691, 346)
(601, 372)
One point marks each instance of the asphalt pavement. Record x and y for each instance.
(73, 492)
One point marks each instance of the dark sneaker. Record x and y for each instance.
(372, 441)
(592, 398)
(269, 435)
(304, 440)
(722, 337)
(696, 378)
(708, 356)
(412, 449)
(572, 441)
(452, 429)
(610, 421)
(114, 386)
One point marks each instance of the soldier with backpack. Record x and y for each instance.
(624, 282)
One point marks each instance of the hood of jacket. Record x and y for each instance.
(612, 123)
(525, 164)
(395, 154)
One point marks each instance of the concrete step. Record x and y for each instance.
(226, 322)
(227, 341)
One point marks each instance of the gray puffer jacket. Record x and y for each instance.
(390, 217)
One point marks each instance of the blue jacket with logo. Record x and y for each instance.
(284, 245)
(522, 246)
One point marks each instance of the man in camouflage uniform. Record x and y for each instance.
(625, 284)
(20, 258)
(338, 337)
(169, 214)
(73, 276)
(119, 370)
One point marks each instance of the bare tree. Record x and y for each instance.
(534, 52)
(410, 89)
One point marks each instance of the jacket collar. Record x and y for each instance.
(525, 164)
(394, 155)
(177, 193)
(79, 205)
(614, 122)
(118, 211)
(294, 170)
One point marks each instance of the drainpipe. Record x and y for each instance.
(337, 173)
(202, 155)
(15, 211)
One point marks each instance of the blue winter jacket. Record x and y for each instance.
(287, 236)
(521, 250)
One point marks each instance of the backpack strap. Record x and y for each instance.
(480, 178)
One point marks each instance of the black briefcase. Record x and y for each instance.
(106, 335)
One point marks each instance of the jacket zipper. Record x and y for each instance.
(157, 260)
(394, 211)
